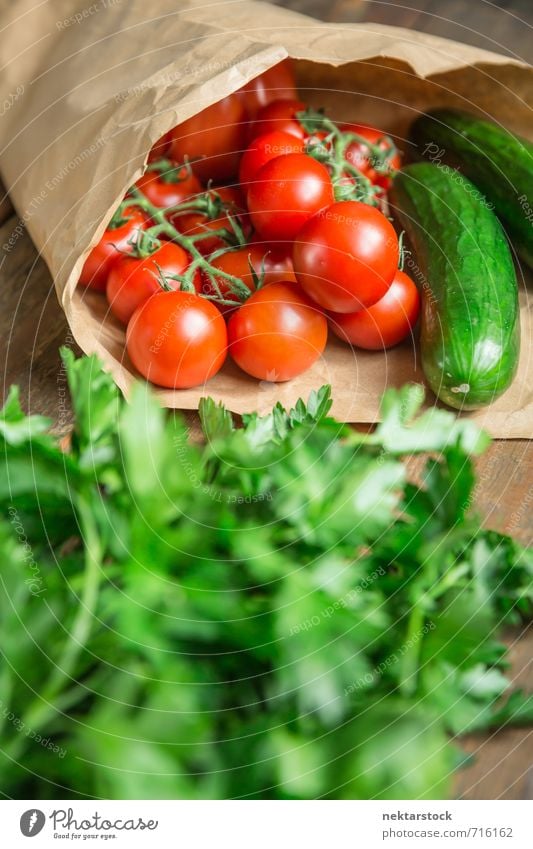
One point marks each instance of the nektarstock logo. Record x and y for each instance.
(32, 822)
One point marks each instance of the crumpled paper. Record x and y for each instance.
(88, 88)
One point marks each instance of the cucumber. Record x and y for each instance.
(470, 331)
(499, 163)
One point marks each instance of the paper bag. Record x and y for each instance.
(88, 88)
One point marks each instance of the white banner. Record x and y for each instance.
(267, 824)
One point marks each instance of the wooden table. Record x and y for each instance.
(34, 328)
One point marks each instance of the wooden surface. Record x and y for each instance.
(33, 327)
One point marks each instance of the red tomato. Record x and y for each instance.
(346, 257)
(132, 280)
(233, 195)
(386, 322)
(278, 333)
(177, 340)
(279, 115)
(237, 263)
(277, 83)
(115, 239)
(193, 223)
(215, 137)
(359, 154)
(277, 258)
(263, 149)
(286, 193)
(163, 193)
(160, 148)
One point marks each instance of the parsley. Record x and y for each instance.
(275, 613)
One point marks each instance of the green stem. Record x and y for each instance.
(188, 243)
(219, 299)
(119, 218)
(44, 709)
(332, 153)
(169, 172)
(411, 660)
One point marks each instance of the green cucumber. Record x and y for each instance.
(499, 163)
(470, 330)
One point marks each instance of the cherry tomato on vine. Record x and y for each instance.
(279, 115)
(278, 333)
(278, 83)
(286, 193)
(194, 223)
(114, 240)
(385, 323)
(237, 262)
(277, 258)
(177, 340)
(346, 257)
(163, 192)
(213, 140)
(359, 154)
(263, 149)
(318, 137)
(132, 280)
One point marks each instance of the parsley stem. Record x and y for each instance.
(411, 658)
(43, 710)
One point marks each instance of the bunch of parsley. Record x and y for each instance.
(274, 613)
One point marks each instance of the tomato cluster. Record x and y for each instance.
(258, 224)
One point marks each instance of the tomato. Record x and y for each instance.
(263, 149)
(177, 340)
(133, 279)
(277, 258)
(233, 195)
(279, 115)
(275, 84)
(215, 138)
(115, 239)
(193, 223)
(163, 193)
(237, 262)
(160, 148)
(346, 257)
(385, 323)
(286, 193)
(359, 154)
(278, 333)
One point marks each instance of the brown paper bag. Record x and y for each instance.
(88, 88)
